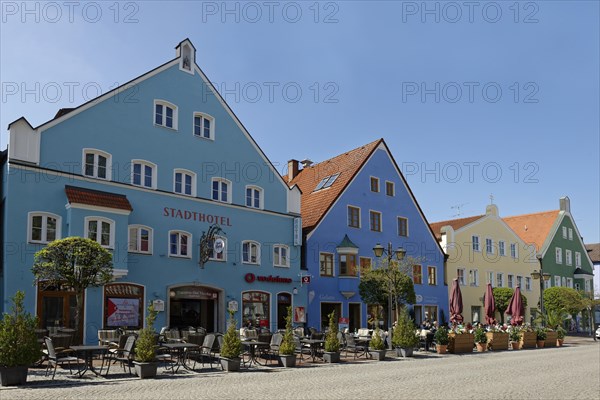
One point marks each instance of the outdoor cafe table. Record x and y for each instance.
(252, 346)
(88, 352)
(179, 349)
(363, 341)
(315, 345)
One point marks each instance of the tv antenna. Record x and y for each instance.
(458, 209)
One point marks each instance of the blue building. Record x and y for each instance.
(350, 203)
(146, 170)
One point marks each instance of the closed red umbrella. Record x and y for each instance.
(515, 308)
(456, 304)
(489, 305)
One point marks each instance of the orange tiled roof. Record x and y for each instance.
(436, 227)
(97, 198)
(533, 228)
(316, 204)
(595, 251)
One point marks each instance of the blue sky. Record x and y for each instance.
(473, 99)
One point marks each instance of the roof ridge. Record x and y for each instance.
(343, 154)
(457, 219)
(533, 213)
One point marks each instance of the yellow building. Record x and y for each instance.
(483, 249)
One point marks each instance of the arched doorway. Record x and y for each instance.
(193, 305)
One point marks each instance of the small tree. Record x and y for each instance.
(18, 341)
(502, 297)
(145, 346)
(557, 298)
(76, 263)
(441, 335)
(376, 342)
(232, 345)
(404, 335)
(332, 343)
(288, 346)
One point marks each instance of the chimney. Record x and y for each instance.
(306, 163)
(292, 169)
(565, 204)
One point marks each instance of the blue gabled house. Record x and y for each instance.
(146, 170)
(351, 203)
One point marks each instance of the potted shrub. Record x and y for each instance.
(560, 336)
(287, 356)
(377, 346)
(19, 347)
(480, 339)
(404, 338)
(540, 334)
(514, 336)
(332, 343)
(441, 340)
(145, 363)
(232, 347)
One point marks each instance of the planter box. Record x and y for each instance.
(331, 357)
(378, 355)
(231, 364)
(287, 361)
(528, 340)
(404, 351)
(12, 376)
(497, 340)
(462, 343)
(145, 370)
(551, 338)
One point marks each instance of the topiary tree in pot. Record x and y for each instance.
(232, 347)
(287, 349)
(332, 342)
(19, 347)
(145, 347)
(404, 338)
(377, 346)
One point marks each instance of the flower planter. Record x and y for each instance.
(331, 356)
(12, 376)
(540, 344)
(231, 364)
(551, 338)
(378, 355)
(441, 348)
(481, 347)
(145, 369)
(461, 343)
(287, 361)
(497, 340)
(528, 340)
(404, 351)
(515, 345)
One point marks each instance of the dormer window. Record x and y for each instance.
(204, 126)
(165, 114)
(326, 182)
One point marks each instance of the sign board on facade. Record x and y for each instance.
(232, 306)
(297, 231)
(299, 315)
(219, 246)
(159, 305)
(305, 279)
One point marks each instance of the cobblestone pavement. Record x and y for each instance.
(570, 372)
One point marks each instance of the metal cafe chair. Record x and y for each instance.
(123, 355)
(58, 358)
(354, 348)
(203, 352)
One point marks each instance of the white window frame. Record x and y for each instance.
(407, 227)
(261, 197)
(434, 268)
(577, 259)
(475, 244)
(99, 220)
(204, 116)
(332, 256)
(138, 239)
(165, 103)
(184, 172)
(380, 221)
(143, 164)
(474, 277)
(371, 187)
(570, 283)
(520, 281)
(489, 245)
(564, 232)
(510, 281)
(348, 215)
(528, 283)
(558, 255)
(213, 255)
(491, 275)
(251, 243)
(502, 248)
(570, 233)
(556, 281)
(393, 188)
(275, 256)
(189, 244)
(588, 285)
(568, 257)
(229, 190)
(44, 236)
(460, 274)
(97, 153)
(514, 251)
(500, 279)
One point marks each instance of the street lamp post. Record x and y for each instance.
(542, 277)
(379, 251)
